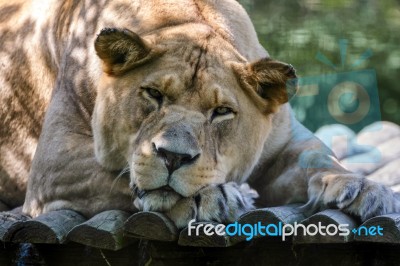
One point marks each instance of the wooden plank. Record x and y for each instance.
(190, 238)
(274, 215)
(390, 224)
(329, 220)
(152, 226)
(48, 228)
(105, 231)
(8, 219)
(287, 214)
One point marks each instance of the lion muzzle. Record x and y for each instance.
(177, 146)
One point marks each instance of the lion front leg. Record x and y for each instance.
(352, 194)
(221, 203)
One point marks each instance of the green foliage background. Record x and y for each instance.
(295, 31)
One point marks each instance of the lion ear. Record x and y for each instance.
(120, 50)
(275, 82)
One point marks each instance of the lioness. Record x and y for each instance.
(179, 93)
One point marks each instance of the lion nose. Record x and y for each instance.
(174, 160)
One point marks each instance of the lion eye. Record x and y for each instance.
(222, 111)
(156, 94)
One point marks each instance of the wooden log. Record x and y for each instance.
(190, 238)
(326, 218)
(287, 214)
(104, 231)
(390, 224)
(274, 215)
(8, 219)
(48, 228)
(152, 226)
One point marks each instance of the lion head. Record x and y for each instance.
(183, 109)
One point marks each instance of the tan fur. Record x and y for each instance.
(182, 77)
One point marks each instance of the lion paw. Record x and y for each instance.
(221, 203)
(354, 195)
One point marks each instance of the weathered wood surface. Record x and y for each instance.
(102, 240)
(390, 224)
(273, 215)
(151, 225)
(8, 219)
(189, 238)
(115, 229)
(50, 228)
(105, 230)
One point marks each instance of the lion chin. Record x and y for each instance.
(161, 199)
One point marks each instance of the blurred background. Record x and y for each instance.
(309, 34)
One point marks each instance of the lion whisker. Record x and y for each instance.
(125, 170)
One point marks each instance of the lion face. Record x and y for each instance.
(183, 109)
